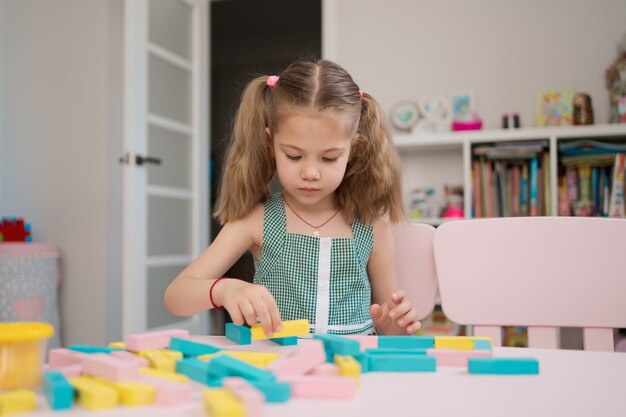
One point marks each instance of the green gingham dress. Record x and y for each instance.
(322, 279)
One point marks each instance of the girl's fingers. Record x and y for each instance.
(235, 315)
(409, 317)
(415, 326)
(264, 316)
(248, 312)
(400, 310)
(397, 296)
(272, 307)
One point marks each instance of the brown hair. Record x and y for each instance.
(371, 185)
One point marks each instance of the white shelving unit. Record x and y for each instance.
(443, 159)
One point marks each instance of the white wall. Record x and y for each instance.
(60, 121)
(503, 50)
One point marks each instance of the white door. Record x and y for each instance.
(166, 151)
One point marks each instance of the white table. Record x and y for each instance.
(570, 383)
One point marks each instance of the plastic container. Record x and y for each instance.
(22, 352)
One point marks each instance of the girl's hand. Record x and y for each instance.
(395, 316)
(245, 302)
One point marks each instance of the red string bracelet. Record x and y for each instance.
(211, 294)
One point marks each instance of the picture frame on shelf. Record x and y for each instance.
(462, 105)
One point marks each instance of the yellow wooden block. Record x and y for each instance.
(260, 359)
(119, 345)
(454, 342)
(17, 401)
(348, 366)
(92, 394)
(220, 402)
(165, 375)
(161, 360)
(290, 328)
(131, 393)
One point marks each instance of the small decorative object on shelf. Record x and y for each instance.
(404, 115)
(582, 109)
(615, 78)
(435, 115)
(510, 121)
(454, 199)
(554, 107)
(421, 204)
(14, 229)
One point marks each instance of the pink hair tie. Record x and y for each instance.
(272, 80)
(360, 95)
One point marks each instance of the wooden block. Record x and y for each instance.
(402, 363)
(454, 342)
(251, 397)
(129, 357)
(349, 367)
(503, 366)
(117, 345)
(259, 359)
(406, 342)
(366, 342)
(274, 392)
(90, 349)
(110, 368)
(290, 328)
(163, 375)
(482, 344)
(220, 402)
(455, 357)
(131, 393)
(60, 357)
(17, 401)
(338, 345)
(93, 395)
(159, 359)
(194, 369)
(300, 360)
(191, 348)
(69, 371)
(154, 340)
(285, 341)
(396, 351)
(58, 390)
(168, 393)
(223, 366)
(321, 387)
(238, 334)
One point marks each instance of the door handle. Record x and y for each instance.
(140, 160)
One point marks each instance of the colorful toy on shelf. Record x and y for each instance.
(14, 229)
(421, 204)
(454, 198)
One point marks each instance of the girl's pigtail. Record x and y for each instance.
(248, 165)
(372, 184)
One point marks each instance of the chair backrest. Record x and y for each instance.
(540, 272)
(415, 265)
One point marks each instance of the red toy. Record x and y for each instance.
(13, 229)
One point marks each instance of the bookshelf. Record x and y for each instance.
(437, 160)
(440, 159)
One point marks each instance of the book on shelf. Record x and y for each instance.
(616, 205)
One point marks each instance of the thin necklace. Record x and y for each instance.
(316, 229)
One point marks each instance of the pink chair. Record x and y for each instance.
(540, 272)
(415, 265)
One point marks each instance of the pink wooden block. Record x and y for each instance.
(168, 393)
(320, 387)
(455, 357)
(301, 360)
(60, 357)
(154, 340)
(325, 369)
(366, 342)
(251, 397)
(129, 357)
(71, 371)
(110, 368)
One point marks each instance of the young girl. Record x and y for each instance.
(323, 248)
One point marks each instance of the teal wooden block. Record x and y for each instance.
(224, 366)
(58, 391)
(364, 361)
(503, 366)
(190, 348)
(92, 349)
(482, 344)
(195, 369)
(285, 341)
(402, 363)
(238, 334)
(396, 351)
(274, 392)
(338, 345)
(406, 342)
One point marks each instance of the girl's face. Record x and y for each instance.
(311, 150)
